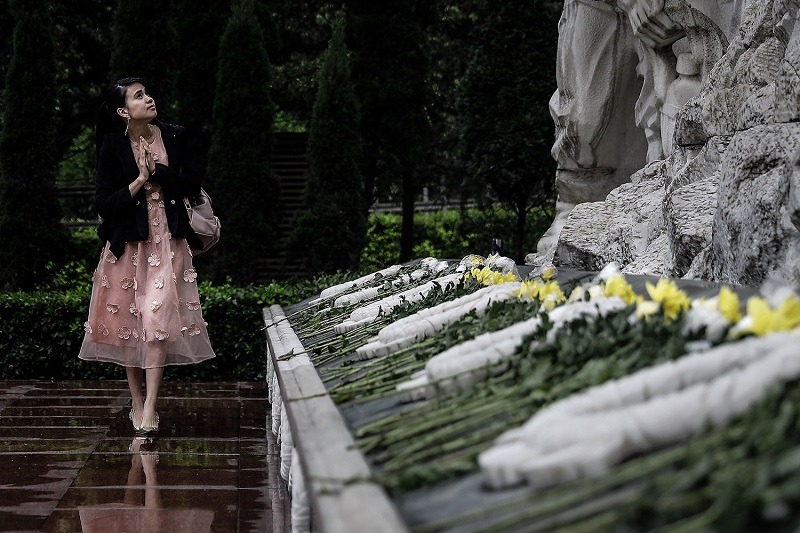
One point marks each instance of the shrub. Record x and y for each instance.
(450, 234)
(330, 230)
(75, 267)
(383, 241)
(77, 169)
(41, 332)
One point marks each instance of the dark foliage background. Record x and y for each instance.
(505, 126)
(453, 97)
(390, 67)
(241, 182)
(30, 229)
(330, 231)
(426, 114)
(198, 27)
(144, 44)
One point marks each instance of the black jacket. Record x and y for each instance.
(125, 217)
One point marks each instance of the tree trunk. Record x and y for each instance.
(519, 233)
(407, 227)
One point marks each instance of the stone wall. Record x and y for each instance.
(725, 204)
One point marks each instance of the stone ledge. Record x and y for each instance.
(342, 496)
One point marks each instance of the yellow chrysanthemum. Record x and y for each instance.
(763, 319)
(761, 316)
(673, 300)
(549, 273)
(495, 278)
(472, 273)
(617, 286)
(487, 276)
(728, 305)
(578, 294)
(646, 308)
(550, 301)
(551, 295)
(481, 274)
(529, 290)
(788, 314)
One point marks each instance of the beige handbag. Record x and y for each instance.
(203, 221)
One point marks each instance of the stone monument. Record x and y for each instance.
(713, 135)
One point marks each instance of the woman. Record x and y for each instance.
(145, 308)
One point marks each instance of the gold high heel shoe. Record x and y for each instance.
(151, 429)
(130, 417)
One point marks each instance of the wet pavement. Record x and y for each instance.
(69, 460)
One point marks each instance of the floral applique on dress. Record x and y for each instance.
(158, 329)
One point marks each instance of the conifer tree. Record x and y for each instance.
(145, 46)
(507, 130)
(390, 70)
(6, 30)
(243, 188)
(30, 228)
(331, 230)
(198, 32)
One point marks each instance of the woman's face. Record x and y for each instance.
(138, 104)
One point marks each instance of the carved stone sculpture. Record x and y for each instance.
(598, 145)
(721, 200)
(614, 68)
(680, 91)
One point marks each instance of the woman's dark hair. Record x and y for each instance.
(108, 121)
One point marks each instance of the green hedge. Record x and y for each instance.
(450, 234)
(41, 332)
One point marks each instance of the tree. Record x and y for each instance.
(83, 52)
(244, 189)
(6, 29)
(197, 33)
(304, 28)
(83, 36)
(390, 68)
(145, 46)
(448, 43)
(507, 130)
(331, 229)
(30, 228)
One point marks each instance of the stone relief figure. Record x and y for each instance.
(720, 200)
(616, 66)
(680, 91)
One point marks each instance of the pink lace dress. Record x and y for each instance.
(145, 307)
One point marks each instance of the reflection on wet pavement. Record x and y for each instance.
(69, 462)
(142, 508)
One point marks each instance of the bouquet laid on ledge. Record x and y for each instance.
(531, 382)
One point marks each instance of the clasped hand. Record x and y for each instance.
(145, 161)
